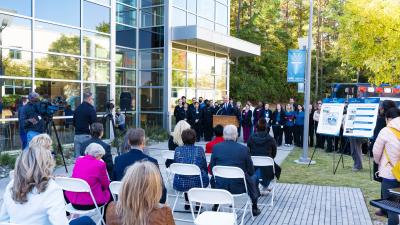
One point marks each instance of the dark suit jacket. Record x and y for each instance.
(107, 158)
(229, 111)
(230, 153)
(127, 159)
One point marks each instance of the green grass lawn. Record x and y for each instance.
(321, 174)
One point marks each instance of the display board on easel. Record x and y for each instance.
(331, 116)
(361, 117)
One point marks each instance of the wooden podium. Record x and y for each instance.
(225, 120)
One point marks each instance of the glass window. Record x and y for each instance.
(205, 81)
(57, 67)
(125, 77)
(179, 18)
(151, 121)
(178, 59)
(125, 93)
(101, 94)
(96, 45)
(222, 14)
(151, 99)
(15, 66)
(190, 93)
(220, 82)
(23, 7)
(125, 58)
(146, 3)
(191, 61)
(151, 58)
(180, 3)
(178, 78)
(223, 1)
(191, 80)
(177, 93)
(205, 8)
(152, 37)
(128, 2)
(95, 70)
(103, 2)
(126, 36)
(219, 94)
(191, 6)
(221, 29)
(69, 91)
(13, 90)
(205, 23)
(206, 94)
(205, 64)
(17, 33)
(96, 17)
(126, 15)
(152, 16)
(54, 38)
(151, 78)
(10, 139)
(220, 66)
(61, 11)
(191, 19)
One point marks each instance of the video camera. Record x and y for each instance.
(47, 108)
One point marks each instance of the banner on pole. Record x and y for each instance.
(296, 65)
(331, 116)
(300, 87)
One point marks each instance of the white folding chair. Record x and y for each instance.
(230, 172)
(115, 187)
(168, 154)
(208, 157)
(81, 186)
(186, 170)
(263, 161)
(211, 197)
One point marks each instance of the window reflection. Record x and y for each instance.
(101, 94)
(153, 121)
(23, 7)
(191, 19)
(191, 64)
(126, 93)
(205, 23)
(179, 18)
(192, 6)
(205, 81)
(152, 37)
(95, 70)
(126, 36)
(205, 64)
(15, 62)
(221, 29)
(221, 14)
(125, 58)
(151, 58)
(12, 91)
(53, 38)
(206, 94)
(181, 3)
(151, 99)
(191, 80)
(61, 11)
(57, 67)
(96, 17)
(17, 33)
(128, 2)
(151, 78)
(220, 82)
(178, 78)
(126, 15)
(96, 45)
(125, 77)
(146, 3)
(152, 16)
(178, 59)
(220, 66)
(205, 8)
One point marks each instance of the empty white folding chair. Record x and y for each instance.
(115, 187)
(81, 186)
(168, 154)
(186, 170)
(263, 161)
(230, 172)
(212, 197)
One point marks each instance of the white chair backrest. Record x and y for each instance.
(228, 172)
(210, 196)
(208, 157)
(262, 161)
(72, 184)
(185, 169)
(115, 187)
(168, 154)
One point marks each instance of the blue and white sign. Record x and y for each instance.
(331, 116)
(296, 65)
(300, 87)
(360, 120)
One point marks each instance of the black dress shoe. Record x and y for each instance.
(256, 211)
(215, 207)
(187, 207)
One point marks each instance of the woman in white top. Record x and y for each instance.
(320, 138)
(32, 197)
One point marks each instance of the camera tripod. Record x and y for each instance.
(107, 118)
(49, 125)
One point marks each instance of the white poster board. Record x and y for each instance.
(331, 117)
(361, 117)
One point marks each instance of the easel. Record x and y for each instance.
(334, 154)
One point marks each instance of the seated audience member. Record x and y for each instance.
(219, 132)
(175, 139)
(262, 144)
(137, 140)
(91, 169)
(231, 153)
(190, 154)
(138, 199)
(97, 132)
(387, 155)
(32, 197)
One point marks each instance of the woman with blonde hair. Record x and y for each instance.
(32, 190)
(138, 198)
(175, 139)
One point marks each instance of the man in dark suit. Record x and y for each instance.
(231, 153)
(206, 119)
(196, 120)
(136, 138)
(226, 108)
(97, 132)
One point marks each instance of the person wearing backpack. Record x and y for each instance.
(386, 153)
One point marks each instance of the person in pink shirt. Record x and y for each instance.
(93, 170)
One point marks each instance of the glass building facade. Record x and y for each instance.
(120, 50)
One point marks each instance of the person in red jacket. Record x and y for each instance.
(218, 131)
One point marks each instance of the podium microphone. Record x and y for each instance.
(218, 111)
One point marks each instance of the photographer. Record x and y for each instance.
(33, 121)
(119, 120)
(84, 116)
